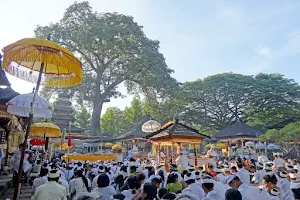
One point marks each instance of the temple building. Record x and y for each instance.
(63, 117)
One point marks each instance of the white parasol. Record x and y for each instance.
(272, 147)
(249, 144)
(21, 106)
(259, 145)
(151, 126)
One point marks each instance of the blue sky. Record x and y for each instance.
(198, 38)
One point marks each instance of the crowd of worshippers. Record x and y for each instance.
(236, 179)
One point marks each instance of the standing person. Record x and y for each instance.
(79, 185)
(16, 162)
(51, 190)
(182, 162)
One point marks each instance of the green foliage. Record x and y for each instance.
(113, 121)
(83, 118)
(135, 112)
(290, 133)
(113, 49)
(216, 101)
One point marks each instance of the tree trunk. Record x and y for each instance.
(95, 124)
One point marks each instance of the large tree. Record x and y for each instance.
(114, 49)
(216, 101)
(222, 99)
(274, 99)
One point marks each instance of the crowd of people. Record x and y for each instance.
(239, 178)
(234, 179)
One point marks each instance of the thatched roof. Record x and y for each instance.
(238, 129)
(7, 94)
(176, 129)
(136, 129)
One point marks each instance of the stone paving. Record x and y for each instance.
(26, 193)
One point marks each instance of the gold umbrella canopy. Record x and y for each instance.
(27, 57)
(108, 144)
(45, 130)
(117, 147)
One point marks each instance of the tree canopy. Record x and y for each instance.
(114, 49)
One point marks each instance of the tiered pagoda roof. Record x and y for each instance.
(62, 115)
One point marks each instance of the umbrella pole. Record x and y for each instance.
(19, 180)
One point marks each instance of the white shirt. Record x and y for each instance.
(94, 182)
(180, 178)
(128, 194)
(258, 176)
(77, 186)
(64, 183)
(50, 191)
(220, 178)
(213, 195)
(195, 188)
(16, 158)
(253, 193)
(211, 152)
(244, 176)
(278, 162)
(220, 189)
(105, 193)
(39, 181)
(183, 162)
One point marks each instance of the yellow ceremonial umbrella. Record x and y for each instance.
(117, 147)
(42, 62)
(65, 146)
(108, 144)
(30, 57)
(45, 130)
(221, 145)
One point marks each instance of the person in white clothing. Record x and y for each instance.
(64, 183)
(78, 184)
(248, 192)
(208, 187)
(182, 161)
(278, 162)
(133, 184)
(101, 170)
(243, 174)
(190, 179)
(41, 180)
(218, 187)
(51, 190)
(259, 174)
(103, 190)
